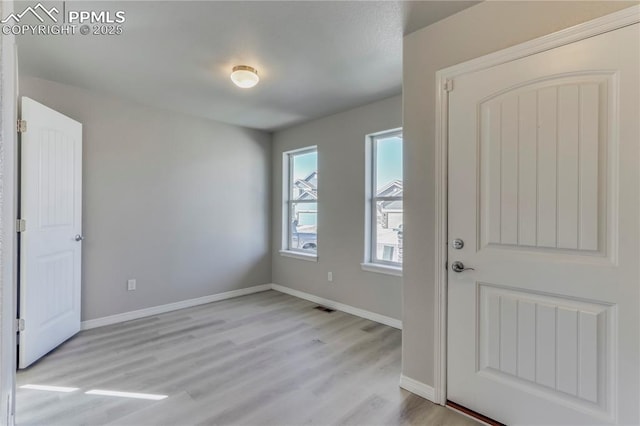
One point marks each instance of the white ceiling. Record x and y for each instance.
(314, 57)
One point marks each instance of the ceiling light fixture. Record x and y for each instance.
(244, 76)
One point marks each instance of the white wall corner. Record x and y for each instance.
(155, 310)
(382, 319)
(418, 388)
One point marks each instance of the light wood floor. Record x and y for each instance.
(262, 359)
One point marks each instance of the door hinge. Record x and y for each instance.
(448, 85)
(20, 324)
(446, 265)
(21, 225)
(22, 126)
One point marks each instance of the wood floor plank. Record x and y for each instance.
(261, 359)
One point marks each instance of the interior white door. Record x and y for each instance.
(544, 191)
(51, 245)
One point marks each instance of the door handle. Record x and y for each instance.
(458, 266)
(78, 237)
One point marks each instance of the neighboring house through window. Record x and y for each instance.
(300, 227)
(383, 244)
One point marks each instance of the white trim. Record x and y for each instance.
(418, 388)
(382, 319)
(287, 185)
(299, 255)
(611, 22)
(441, 185)
(390, 132)
(371, 175)
(155, 310)
(304, 150)
(382, 269)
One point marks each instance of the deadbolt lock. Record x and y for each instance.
(457, 244)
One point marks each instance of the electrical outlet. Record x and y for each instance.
(131, 285)
(330, 277)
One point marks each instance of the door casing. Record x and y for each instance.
(445, 82)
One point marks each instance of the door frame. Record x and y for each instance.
(444, 83)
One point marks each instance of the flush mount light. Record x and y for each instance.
(244, 76)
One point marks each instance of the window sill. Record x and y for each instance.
(382, 269)
(299, 255)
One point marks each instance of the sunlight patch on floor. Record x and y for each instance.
(49, 388)
(151, 396)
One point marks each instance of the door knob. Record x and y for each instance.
(78, 237)
(458, 266)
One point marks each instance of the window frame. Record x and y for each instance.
(371, 261)
(289, 204)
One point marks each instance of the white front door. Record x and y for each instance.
(544, 191)
(51, 246)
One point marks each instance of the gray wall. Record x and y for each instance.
(341, 190)
(485, 28)
(179, 203)
(8, 236)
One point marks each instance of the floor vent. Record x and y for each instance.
(324, 309)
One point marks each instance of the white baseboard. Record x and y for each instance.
(419, 388)
(155, 310)
(382, 319)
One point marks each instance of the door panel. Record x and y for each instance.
(50, 256)
(543, 164)
(543, 189)
(553, 345)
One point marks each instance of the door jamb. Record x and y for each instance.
(444, 83)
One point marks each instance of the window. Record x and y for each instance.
(384, 206)
(300, 224)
